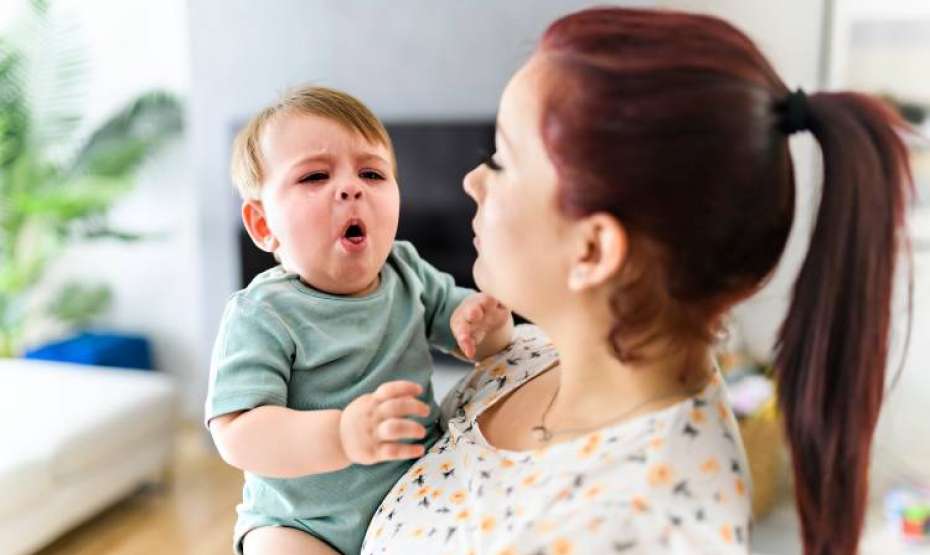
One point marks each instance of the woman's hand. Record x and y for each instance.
(371, 425)
(482, 326)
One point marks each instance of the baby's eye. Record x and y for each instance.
(314, 176)
(371, 174)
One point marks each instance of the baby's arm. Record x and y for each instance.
(279, 442)
(482, 326)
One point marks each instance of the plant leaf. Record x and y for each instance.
(121, 144)
(77, 304)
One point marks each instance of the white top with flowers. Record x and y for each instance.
(673, 481)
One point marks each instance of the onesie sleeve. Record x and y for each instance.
(440, 297)
(251, 362)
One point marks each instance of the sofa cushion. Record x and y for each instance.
(79, 416)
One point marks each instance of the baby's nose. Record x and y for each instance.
(350, 191)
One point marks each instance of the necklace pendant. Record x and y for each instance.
(541, 433)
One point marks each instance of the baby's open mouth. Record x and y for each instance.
(354, 231)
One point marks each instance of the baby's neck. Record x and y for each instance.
(367, 290)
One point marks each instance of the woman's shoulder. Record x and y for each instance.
(528, 354)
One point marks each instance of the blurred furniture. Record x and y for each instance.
(98, 348)
(75, 439)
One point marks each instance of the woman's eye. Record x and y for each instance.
(314, 176)
(490, 162)
(370, 174)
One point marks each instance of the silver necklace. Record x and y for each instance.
(543, 434)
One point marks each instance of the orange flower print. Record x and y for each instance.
(423, 492)
(722, 410)
(562, 546)
(464, 514)
(656, 442)
(418, 533)
(594, 524)
(590, 446)
(659, 475)
(726, 532)
(418, 471)
(446, 467)
(457, 497)
(710, 466)
(545, 526)
(437, 493)
(506, 463)
(487, 524)
(740, 487)
(507, 551)
(379, 531)
(698, 417)
(531, 479)
(593, 491)
(498, 371)
(639, 504)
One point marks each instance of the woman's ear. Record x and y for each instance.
(253, 218)
(600, 252)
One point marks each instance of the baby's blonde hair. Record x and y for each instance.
(246, 166)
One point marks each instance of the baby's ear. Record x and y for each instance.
(253, 218)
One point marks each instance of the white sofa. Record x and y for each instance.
(73, 440)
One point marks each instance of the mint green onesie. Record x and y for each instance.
(284, 343)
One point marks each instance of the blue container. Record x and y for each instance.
(101, 349)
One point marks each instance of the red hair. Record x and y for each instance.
(672, 123)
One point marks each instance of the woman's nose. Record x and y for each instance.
(471, 184)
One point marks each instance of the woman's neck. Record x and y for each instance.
(594, 385)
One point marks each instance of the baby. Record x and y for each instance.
(320, 378)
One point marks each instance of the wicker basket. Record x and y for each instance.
(765, 449)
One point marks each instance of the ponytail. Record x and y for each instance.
(832, 348)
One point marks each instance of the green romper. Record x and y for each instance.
(283, 343)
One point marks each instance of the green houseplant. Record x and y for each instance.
(57, 178)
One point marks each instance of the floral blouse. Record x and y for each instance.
(672, 481)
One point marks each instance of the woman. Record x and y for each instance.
(642, 185)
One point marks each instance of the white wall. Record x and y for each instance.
(418, 59)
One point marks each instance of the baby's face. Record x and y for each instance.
(331, 202)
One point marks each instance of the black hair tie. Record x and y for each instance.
(794, 111)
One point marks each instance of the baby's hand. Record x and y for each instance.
(371, 424)
(478, 316)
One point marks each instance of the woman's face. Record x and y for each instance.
(521, 237)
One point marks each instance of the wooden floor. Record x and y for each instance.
(192, 513)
